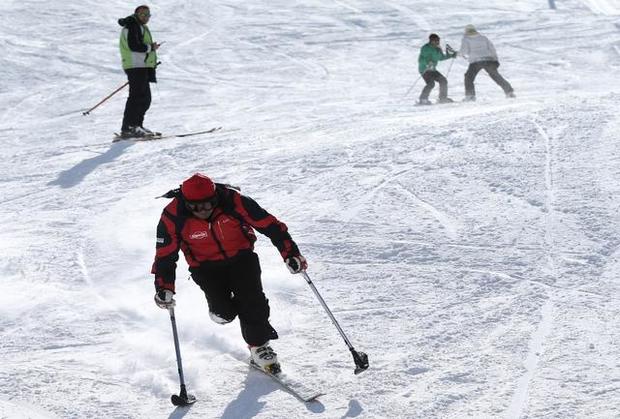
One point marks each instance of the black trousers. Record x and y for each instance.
(233, 288)
(139, 99)
(430, 77)
(491, 68)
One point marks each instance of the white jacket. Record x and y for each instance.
(476, 47)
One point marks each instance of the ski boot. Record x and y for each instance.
(445, 100)
(148, 132)
(265, 358)
(134, 132)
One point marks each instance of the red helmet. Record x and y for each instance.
(198, 188)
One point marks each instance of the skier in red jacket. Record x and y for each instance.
(213, 224)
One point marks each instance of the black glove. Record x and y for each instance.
(296, 264)
(163, 298)
(152, 75)
(450, 52)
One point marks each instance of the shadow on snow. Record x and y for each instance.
(247, 404)
(73, 176)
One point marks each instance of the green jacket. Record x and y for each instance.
(135, 44)
(430, 56)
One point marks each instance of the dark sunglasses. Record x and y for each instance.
(144, 14)
(198, 206)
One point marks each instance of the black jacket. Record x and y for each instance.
(134, 37)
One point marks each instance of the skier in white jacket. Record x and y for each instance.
(481, 54)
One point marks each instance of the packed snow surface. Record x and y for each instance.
(472, 250)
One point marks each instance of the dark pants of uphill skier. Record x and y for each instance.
(139, 99)
(491, 68)
(430, 77)
(233, 288)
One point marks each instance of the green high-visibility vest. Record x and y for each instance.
(133, 59)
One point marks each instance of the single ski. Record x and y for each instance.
(431, 104)
(295, 387)
(190, 134)
(159, 136)
(154, 136)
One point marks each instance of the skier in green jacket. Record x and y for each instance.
(430, 55)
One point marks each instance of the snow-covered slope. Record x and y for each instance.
(472, 250)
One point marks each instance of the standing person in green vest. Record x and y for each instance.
(139, 56)
(430, 55)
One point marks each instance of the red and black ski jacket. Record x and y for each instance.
(229, 232)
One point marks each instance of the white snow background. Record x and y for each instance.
(472, 250)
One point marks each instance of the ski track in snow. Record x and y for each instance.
(519, 401)
(605, 7)
(449, 224)
(472, 250)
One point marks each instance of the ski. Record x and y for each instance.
(431, 104)
(154, 136)
(160, 136)
(295, 387)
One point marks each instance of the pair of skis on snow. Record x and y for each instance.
(160, 136)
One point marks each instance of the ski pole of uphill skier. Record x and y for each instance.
(87, 112)
(139, 58)
(213, 224)
(481, 54)
(430, 54)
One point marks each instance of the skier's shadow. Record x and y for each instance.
(179, 412)
(247, 404)
(74, 175)
(355, 409)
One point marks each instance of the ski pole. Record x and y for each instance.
(411, 88)
(448, 47)
(449, 68)
(183, 399)
(105, 98)
(360, 358)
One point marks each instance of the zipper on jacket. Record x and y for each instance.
(219, 244)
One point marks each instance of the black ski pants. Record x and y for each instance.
(233, 288)
(491, 68)
(139, 99)
(430, 77)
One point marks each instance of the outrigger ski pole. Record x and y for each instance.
(360, 358)
(183, 399)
